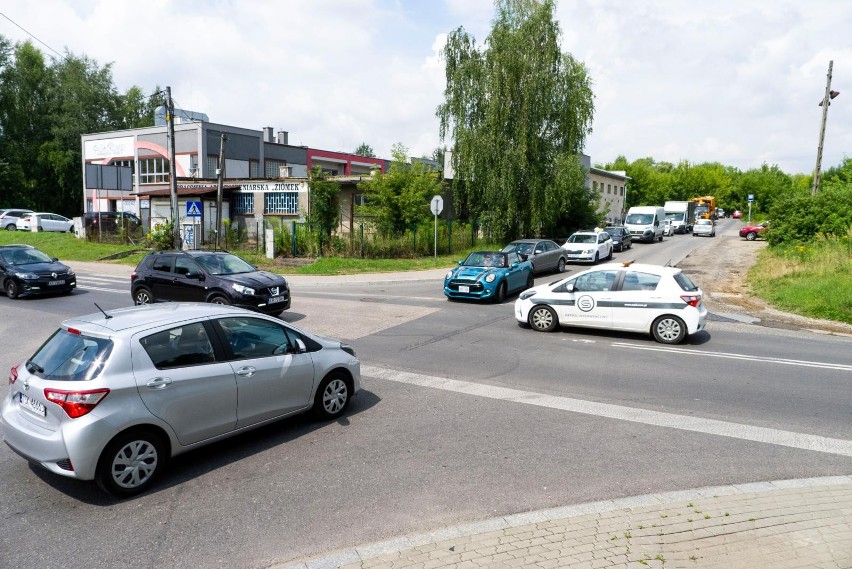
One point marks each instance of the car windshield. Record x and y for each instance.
(639, 218)
(70, 356)
(522, 248)
(25, 257)
(613, 231)
(485, 259)
(582, 238)
(224, 264)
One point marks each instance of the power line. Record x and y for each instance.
(32, 35)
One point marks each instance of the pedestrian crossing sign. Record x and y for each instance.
(193, 209)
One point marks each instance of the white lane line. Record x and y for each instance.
(101, 289)
(683, 422)
(782, 361)
(307, 292)
(90, 278)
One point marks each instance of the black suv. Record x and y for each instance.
(109, 221)
(208, 276)
(24, 271)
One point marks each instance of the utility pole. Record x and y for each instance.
(221, 175)
(170, 121)
(825, 103)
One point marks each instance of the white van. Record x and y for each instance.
(646, 222)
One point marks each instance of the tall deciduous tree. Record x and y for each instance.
(365, 149)
(516, 111)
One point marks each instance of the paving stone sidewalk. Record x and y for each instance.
(769, 525)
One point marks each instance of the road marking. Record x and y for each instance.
(365, 295)
(682, 422)
(86, 287)
(782, 361)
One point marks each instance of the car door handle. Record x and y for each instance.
(247, 371)
(159, 383)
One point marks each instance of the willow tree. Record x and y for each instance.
(516, 112)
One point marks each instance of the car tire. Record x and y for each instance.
(530, 281)
(219, 299)
(11, 288)
(560, 266)
(130, 463)
(609, 257)
(597, 259)
(142, 296)
(500, 295)
(542, 318)
(668, 329)
(332, 396)
(11, 227)
(751, 235)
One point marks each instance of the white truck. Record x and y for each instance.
(682, 215)
(646, 222)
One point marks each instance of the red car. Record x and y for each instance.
(751, 232)
(737, 214)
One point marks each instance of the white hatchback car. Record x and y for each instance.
(45, 222)
(588, 246)
(704, 227)
(630, 297)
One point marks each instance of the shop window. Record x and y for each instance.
(153, 170)
(281, 202)
(243, 203)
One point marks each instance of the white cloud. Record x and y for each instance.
(732, 81)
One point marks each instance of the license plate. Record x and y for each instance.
(463, 288)
(32, 405)
(54, 283)
(276, 300)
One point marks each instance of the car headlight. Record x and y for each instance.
(526, 294)
(71, 273)
(490, 278)
(27, 276)
(242, 289)
(449, 275)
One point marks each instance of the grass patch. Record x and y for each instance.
(67, 247)
(813, 280)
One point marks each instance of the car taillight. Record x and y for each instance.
(13, 374)
(133, 276)
(691, 299)
(76, 403)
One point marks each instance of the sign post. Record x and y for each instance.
(750, 199)
(437, 206)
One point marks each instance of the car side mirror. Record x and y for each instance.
(54, 259)
(569, 287)
(195, 276)
(460, 262)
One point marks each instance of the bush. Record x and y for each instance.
(799, 218)
(160, 237)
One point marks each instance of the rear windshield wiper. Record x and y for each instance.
(32, 366)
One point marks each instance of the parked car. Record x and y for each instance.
(544, 254)
(9, 218)
(621, 238)
(218, 277)
(650, 299)
(109, 221)
(589, 246)
(737, 214)
(26, 271)
(112, 396)
(704, 227)
(752, 232)
(668, 229)
(488, 275)
(45, 221)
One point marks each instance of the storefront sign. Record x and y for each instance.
(272, 187)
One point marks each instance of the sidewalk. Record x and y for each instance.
(766, 525)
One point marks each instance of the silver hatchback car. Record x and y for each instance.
(112, 396)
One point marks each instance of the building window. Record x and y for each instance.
(281, 202)
(359, 199)
(244, 203)
(273, 168)
(609, 188)
(153, 170)
(622, 190)
(212, 166)
(254, 169)
(594, 185)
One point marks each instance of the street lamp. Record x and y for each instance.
(826, 101)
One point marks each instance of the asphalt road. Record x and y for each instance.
(465, 416)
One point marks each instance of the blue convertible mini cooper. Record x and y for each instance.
(489, 275)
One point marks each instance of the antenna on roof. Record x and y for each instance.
(107, 316)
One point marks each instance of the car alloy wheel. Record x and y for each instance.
(11, 227)
(668, 329)
(542, 318)
(332, 397)
(130, 462)
(560, 266)
(219, 299)
(751, 235)
(11, 288)
(142, 296)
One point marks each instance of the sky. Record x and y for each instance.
(736, 82)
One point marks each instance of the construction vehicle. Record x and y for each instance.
(705, 207)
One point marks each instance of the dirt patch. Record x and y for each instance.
(720, 267)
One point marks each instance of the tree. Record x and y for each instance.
(399, 199)
(365, 149)
(324, 198)
(516, 111)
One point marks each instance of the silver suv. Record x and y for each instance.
(112, 396)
